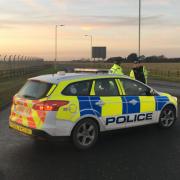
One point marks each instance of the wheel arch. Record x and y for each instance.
(171, 105)
(88, 117)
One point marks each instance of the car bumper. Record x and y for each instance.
(35, 133)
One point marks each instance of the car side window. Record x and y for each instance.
(81, 88)
(134, 88)
(106, 87)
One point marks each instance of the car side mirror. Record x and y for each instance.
(152, 92)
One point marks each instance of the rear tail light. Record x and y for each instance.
(49, 105)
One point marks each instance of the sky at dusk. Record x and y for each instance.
(27, 27)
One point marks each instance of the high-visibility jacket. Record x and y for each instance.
(116, 69)
(132, 75)
(145, 74)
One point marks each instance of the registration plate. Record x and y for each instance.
(20, 128)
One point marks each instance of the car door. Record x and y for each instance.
(139, 105)
(78, 95)
(109, 102)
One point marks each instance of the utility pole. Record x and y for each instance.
(55, 55)
(91, 44)
(139, 50)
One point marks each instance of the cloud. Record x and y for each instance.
(161, 2)
(55, 11)
(116, 2)
(119, 20)
(90, 22)
(35, 6)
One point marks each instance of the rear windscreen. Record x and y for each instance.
(35, 90)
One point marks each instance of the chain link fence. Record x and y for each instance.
(14, 70)
(14, 66)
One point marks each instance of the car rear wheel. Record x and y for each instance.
(85, 134)
(167, 117)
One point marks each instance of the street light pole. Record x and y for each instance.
(55, 59)
(91, 44)
(55, 47)
(139, 53)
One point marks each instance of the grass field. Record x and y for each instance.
(5, 65)
(160, 71)
(165, 71)
(11, 87)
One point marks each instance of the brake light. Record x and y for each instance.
(49, 105)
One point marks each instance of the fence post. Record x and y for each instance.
(168, 73)
(178, 73)
(16, 65)
(5, 57)
(18, 58)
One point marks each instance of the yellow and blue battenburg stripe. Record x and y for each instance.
(161, 101)
(129, 108)
(87, 105)
(125, 107)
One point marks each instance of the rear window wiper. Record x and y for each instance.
(28, 96)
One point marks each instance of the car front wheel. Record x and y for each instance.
(167, 117)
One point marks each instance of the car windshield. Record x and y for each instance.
(35, 90)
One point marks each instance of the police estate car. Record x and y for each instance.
(83, 105)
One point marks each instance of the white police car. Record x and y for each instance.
(81, 105)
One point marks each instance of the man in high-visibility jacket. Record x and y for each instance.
(139, 72)
(116, 68)
(145, 74)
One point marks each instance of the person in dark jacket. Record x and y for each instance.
(139, 72)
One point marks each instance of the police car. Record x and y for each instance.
(81, 105)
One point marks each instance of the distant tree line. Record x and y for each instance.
(149, 59)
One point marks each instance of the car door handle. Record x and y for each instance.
(133, 102)
(100, 103)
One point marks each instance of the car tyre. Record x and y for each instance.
(167, 117)
(85, 134)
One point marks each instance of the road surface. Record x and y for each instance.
(165, 86)
(139, 153)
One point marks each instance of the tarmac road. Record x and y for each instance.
(138, 153)
(165, 86)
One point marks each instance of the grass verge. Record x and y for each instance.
(10, 87)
